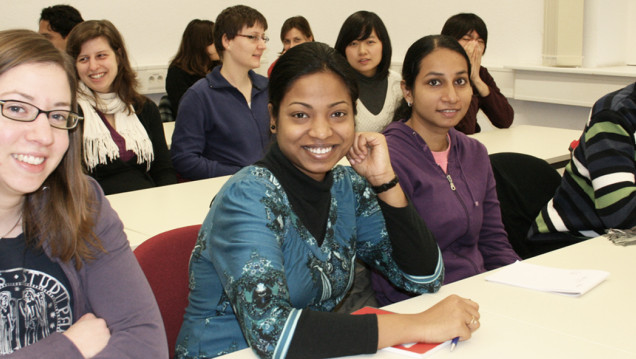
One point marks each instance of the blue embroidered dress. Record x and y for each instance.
(256, 268)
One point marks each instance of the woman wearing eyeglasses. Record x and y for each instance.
(70, 286)
(223, 123)
(124, 144)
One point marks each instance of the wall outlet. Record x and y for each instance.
(152, 79)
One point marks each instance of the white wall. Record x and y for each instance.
(152, 30)
(601, 36)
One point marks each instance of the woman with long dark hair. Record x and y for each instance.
(195, 58)
(445, 173)
(275, 254)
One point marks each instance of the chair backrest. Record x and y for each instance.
(165, 109)
(524, 185)
(164, 259)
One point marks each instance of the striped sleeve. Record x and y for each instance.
(610, 154)
(598, 190)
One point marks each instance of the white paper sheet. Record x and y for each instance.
(574, 282)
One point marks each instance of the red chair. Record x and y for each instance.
(164, 259)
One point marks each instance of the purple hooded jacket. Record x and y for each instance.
(466, 221)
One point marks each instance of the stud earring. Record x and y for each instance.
(273, 127)
(408, 104)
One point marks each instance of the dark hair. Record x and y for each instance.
(461, 24)
(192, 56)
(411, 65)
(62, 18)
(296, 22)
(232, 20)
(125, 83)
(62, 216)
(306, 59)
(359, 26)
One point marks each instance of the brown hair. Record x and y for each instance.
(125, 83)
(193, 56)
(61, 214)
(296, 22)
(232, 20)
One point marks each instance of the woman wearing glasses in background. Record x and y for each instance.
(223, 124)
(124, 144)
(70, 286)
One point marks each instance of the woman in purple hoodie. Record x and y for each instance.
(446, 174)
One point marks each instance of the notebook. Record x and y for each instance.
(413, 350)
(574, 282)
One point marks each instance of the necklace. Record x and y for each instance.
(12, 228)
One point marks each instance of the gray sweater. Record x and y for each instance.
(112, 287)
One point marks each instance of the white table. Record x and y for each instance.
(522, 323)
(549, 143)
(151, 211)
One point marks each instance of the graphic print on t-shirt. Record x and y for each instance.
(33, 305)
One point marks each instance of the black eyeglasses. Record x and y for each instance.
(255, 38)
(26, 112)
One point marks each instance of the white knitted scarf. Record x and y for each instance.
(99, 146)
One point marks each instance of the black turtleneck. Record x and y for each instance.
(309, 199)
(372, 92)
(320, 334)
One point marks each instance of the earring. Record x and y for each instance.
(273, 127)
(408, 104)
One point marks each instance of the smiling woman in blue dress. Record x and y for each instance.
(275, 254)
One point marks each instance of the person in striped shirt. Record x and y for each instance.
(598, 190)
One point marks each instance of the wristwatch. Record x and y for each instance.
(386, 186)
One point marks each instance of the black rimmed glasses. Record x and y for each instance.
(255, 38)
(26, 112)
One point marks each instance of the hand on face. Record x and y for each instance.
(474, 49)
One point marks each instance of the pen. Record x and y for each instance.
(454, 343)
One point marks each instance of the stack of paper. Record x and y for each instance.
(548, 279)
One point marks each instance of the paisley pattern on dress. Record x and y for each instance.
(256, 266)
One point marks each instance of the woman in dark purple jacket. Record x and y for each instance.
(446, 175)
